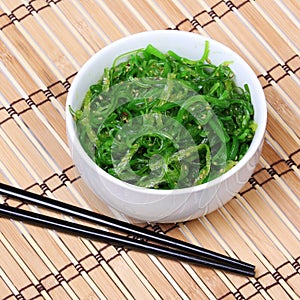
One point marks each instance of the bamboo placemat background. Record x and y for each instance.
(42, 46)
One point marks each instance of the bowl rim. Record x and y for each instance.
(71, 130)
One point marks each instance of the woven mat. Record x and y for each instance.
(42, 46)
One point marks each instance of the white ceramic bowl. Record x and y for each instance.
(165, 205)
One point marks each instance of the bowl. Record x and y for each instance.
(165, 206)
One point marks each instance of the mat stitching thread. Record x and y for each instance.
(54, 286)
(98, 258)
(39, 287)
(6, 118)
(194, 22)
(259, 286)
(29, 8)
(272, 172)
(110, 259)
(18, 297)
(7, 24)
(212, 14)
(59, 277)
(78, 267)
(290, 60)
(290, 161)
(295, 265)
(230, 6)
(277, 276)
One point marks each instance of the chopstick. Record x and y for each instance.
(169, 247)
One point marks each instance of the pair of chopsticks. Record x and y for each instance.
(160, 245)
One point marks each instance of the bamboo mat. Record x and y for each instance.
(42, 46)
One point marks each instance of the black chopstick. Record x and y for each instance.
(112, 238)
(128, 228)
